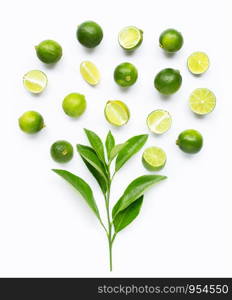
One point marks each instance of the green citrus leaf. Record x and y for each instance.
(109, 143)
(135, 190)
(100, 179)
(114, 152)
(91, 157)
(133, 145)
(126, 216)
(82, 187)
(96, 143)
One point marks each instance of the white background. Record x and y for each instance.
(184, 228)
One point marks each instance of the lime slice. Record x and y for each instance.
(202, 101)
(35, 81)
(90, 72)
(198, 63)
(130, 38)
(117, 113)
(154, 158)
(159, 121)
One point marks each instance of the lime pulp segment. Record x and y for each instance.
(130, 37)
(202, 101)
(117, 113)
(159, 121)
(90, 72)
(198, 63)
(154, 158)
(35, 81)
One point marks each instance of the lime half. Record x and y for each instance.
(90, 72)
(130, 38)
(159, 121)
(117, 112)
(202, 101)
(154, 158)
(198, 63)
(35, 81)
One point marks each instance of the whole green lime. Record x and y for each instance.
(74, 105)
(49, 51)
(168, 81)
(125, 74)
(171, 40)
(31, 122)
(61, 151)
(190, 141)
(89, 34)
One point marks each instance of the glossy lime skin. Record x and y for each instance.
(125, 74)
(168, 81)
(190, 141)
(61, 151)
(31, 122)
(171, 40)
(49, 51)
(74, 105)
(89, 34)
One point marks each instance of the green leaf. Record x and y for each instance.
(126, 216)
(96, 143)
(135, 190)
(82, 187)
(133, 145)
(91, 157)
(100, 179)
(114, 152)
(110, 143)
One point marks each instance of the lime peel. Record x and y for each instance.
(61, 151)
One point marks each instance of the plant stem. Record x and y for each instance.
(102, 224)
(114, 236)
(110, 254)
(109, 234)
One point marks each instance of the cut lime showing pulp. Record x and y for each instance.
(130, 38)
(154, 158)
(198, 63)
(90, 72)
(35, 81)
(117, 113)
(159, 121)
(202, 101)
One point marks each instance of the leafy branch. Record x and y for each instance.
(98, 159)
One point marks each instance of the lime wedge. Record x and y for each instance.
(202, 101)
(117, 113)
(154, 158)
(35, 81)
(130, 38)
(159, 121)
(198, 63)
(90, 72)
